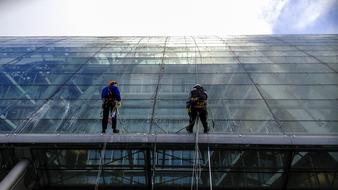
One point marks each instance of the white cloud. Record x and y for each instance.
(272, 9)
(311, 11)
(135, 17)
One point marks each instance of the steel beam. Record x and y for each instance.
(8, 122)
(10, 78)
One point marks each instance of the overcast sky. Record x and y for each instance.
(167, 17)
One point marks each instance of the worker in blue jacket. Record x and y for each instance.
(111, 100)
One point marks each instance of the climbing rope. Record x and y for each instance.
(103, 151)
(197, 169)
(209, 163)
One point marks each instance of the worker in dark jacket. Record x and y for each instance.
(197, 105)
(111, 100)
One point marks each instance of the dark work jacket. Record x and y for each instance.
(190, 103)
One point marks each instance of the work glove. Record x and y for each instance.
(189, 110)
(118, 104)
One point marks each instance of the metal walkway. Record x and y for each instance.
(170, 139)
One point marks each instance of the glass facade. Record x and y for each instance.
(256, 84)
(279, 85)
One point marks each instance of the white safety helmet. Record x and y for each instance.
(197, 86)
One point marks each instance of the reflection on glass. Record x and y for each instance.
(53, 84)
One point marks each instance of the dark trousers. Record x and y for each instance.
(203, 115)
(106, 109)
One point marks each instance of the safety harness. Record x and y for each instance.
(198, 98)
(109, 100)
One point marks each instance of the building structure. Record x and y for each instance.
(272, 106)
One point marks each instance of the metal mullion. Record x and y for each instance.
(113, 160)
(288, 166)
(226, 106)
(30, 52)
(200, 56)
(35, 168)
(260, 93)
(58, 89)
(70, 177)
(172, 180)
(304, 51)
(126, 178)
(160, 74)
(170, 155)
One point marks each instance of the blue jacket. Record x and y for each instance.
(114, 90)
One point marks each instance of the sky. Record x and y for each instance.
(167, 17)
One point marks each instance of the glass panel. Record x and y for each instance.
(123, 79)
(249, 160)
(246, 127)
(52, 54)
(104, 60)
(9, 125)
(323, 53)
(310, 180)
(95, 67)
(67, 49)
(278, 54)
(46, 62)
(328, 59)
(304, 109)
(310, 127)
(187, 78)
(93, 92)
(203, 68)
(214, 91)
(254, 60)
(289, 78)
(288, 68)
(294, 60)
(77, 158)
(334, 66)
(11, 49)
(177, 179)
(314, 161)
(66, 116)
(219, 109)
(216, 54)
(299, 92)
(27, 92)
(80, 166)
(19, 109)
(32, 78)
(128, 178)
(247, 180)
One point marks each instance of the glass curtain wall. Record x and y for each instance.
(266, 85)
(256, 84)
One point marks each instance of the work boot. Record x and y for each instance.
(116, 131)
(188, 129)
